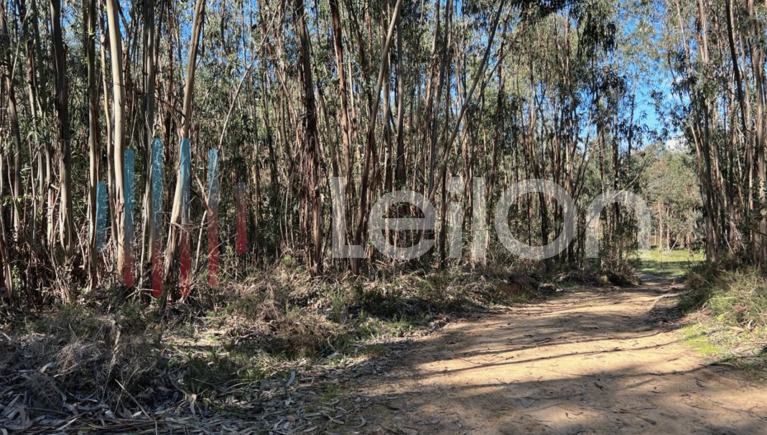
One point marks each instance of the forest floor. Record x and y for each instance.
(587, 359)
(591, 361)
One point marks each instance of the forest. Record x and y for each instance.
(178, 178)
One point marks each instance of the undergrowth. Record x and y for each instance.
(729, 312)
(123, 351)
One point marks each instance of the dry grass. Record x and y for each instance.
(729, 310)
(228, 350)
(79, 354)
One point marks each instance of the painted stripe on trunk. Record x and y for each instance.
(213, 219)
(157, 218)
(186, 262)
(128, 176)
(101, 216)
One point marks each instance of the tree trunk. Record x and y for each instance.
(61, 103)
(89, 18)
(399, 173)
(33, 94)
(172, 247)
(13, 118)
(310, 145)
(345, 125)
(118, 131)
(148, 110)
(370, 147)
(760, 138)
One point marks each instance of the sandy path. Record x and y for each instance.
(587, 362)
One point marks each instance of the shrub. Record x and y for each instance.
(735, 298)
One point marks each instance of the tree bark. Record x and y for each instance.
(148, 111)
(118, 131)
(172, 247)
(61, 103)
(13, 118)
(370, 147)
(89, 18)
(33, 94)
(345, 127)
(310, 144)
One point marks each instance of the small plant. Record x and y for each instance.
(338, 307)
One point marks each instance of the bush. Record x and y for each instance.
(736, 298)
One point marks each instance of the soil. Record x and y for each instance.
(584, 361)
(588, 361)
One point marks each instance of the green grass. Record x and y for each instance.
(732, 298)
(730, 320)
(698, 341)
(671, 264)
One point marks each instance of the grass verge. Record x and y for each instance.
(670, 264)
(728, 310)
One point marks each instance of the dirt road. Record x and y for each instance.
(591, 361)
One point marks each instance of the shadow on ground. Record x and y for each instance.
(589, 362)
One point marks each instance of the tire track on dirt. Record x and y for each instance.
(591, 361)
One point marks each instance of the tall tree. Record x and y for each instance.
(310, 145)
(118, 130)
(13, 116)
(191, 66)
(33, 68)
(61, 103)
(14, 121)
(94, 147)
(148, 110)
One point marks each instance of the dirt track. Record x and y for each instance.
(587, 362)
